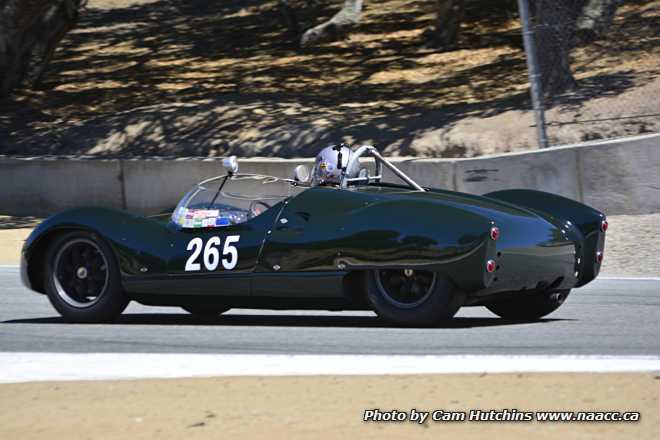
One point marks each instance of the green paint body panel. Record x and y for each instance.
(307, 245)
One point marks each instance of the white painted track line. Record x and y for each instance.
(32, 367)
(630, 278)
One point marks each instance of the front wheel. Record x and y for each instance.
(529, 306)
(82, 279)
(411, 297)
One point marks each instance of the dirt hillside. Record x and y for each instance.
(172, 77)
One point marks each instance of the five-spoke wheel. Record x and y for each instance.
(80, 272)
(413, 297)
(82, 278)
(406, 288)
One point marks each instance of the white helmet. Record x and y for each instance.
(330, 162)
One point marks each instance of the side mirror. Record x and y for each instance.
(301, 174)
(231, 164)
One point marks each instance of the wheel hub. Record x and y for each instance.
(81, 273)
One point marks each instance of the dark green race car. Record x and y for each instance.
(413, 255)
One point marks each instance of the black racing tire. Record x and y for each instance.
(437, 302)
(82, 279)
(205, 310)
(529, 306)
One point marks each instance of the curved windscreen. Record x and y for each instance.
(230, 200)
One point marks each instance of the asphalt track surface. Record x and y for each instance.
(607, 317)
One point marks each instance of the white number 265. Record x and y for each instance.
(211, 256)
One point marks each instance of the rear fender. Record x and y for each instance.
(416, 233)
(581, 223)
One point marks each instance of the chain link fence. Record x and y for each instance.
(594, 67)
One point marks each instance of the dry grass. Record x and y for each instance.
(168, 77)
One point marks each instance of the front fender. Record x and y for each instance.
(137, 241)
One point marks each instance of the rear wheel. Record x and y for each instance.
(530, 306)
(205, 310)
(82, 279)
(413, 297)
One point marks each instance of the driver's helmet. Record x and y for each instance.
(327, 169)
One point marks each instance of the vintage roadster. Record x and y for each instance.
(414, 255)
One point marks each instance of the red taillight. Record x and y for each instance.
(494, 233)
(490, 266)
(604, 225)
(599, 257)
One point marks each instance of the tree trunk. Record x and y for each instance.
(29, 33)
(335, 28)
(555, 23)
(448, 22)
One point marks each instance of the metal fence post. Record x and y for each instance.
(533, 72)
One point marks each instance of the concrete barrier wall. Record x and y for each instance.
(553, 171)
(622, 178)
(45, 186)
(618, 177)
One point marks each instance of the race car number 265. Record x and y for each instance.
(211, 255)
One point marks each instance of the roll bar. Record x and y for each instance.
(380, 161)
